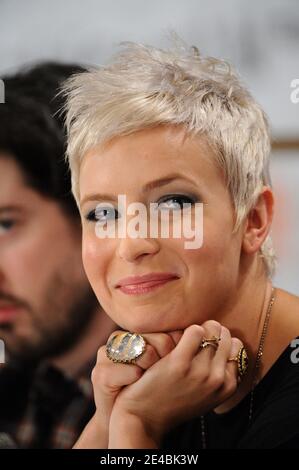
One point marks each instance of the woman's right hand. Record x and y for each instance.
(109, 378)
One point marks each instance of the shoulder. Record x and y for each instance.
(276, 420)
(276, 404)
(287, 313)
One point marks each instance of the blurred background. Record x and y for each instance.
(261, 39)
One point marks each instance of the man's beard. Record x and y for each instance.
(67, 311)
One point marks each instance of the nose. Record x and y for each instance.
(133, 249)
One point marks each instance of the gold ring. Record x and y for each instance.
(205, 344)
(125, 347)
(214, 341)
(242, 360)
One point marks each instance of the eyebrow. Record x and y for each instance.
(146, 188)
(10, 209)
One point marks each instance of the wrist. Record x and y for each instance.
(94, 436)
(128, 431)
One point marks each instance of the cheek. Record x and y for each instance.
(16, 260)
(216, 256)
(95, 256)
(26, 258)
(26, 264)
(90, 256)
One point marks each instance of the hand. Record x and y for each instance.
(109, 378)
(187, 382)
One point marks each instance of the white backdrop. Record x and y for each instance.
(260, 37)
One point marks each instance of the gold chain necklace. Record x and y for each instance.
(255, 373)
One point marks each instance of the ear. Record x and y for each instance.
(258, 222)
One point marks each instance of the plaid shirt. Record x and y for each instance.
(42, 408)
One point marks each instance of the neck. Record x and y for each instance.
(245, 320)
(85, 350)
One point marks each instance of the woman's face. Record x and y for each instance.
(195, 284)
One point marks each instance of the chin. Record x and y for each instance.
(150, 318)
(139, 328)
(150, 325)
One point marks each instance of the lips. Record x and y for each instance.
(8, 312)
(151, 277)
(144, 283)
(7, 306)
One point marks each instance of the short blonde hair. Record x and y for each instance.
(144, 87)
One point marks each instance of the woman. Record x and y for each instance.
(177, 130)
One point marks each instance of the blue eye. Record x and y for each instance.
(102, 215)
(175, 202)
(6, 225)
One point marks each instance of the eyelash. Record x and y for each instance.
(91, 216)
(182, 198)
(6, 224)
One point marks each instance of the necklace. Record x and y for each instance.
(255, 372)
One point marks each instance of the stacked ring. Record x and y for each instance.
(214, 341)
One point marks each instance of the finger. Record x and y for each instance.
(148, 358)
(163, 343)
(189, 344)
(211, 329)
(110, 378)
(176, 335)
(232, 366)
(158, 342)
(222, 354)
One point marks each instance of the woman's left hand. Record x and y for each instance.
(187, 382)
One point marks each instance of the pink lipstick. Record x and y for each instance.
(134, 285)
(8, 313)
